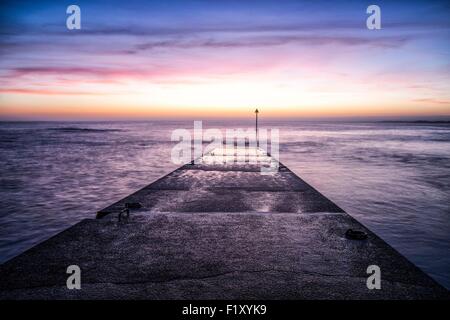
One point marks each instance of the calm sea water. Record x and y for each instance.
(392, 177)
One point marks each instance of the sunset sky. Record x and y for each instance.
(150, 59)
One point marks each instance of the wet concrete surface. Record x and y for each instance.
(229, 188)
(215, 231)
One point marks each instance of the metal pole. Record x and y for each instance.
(257, 135)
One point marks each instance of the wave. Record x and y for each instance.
(76, 129)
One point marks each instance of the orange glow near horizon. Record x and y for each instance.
(134, 100)
(288, 89)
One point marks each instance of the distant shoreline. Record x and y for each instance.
(237, 119)
(416, 121)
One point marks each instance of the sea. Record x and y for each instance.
(394, 177)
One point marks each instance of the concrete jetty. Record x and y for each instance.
(217, 230)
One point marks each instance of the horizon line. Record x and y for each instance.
(239, 118)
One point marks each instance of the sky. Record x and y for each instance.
(171, 59)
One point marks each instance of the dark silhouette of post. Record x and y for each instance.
(257, 136)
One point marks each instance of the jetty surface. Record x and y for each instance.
(217, 230)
